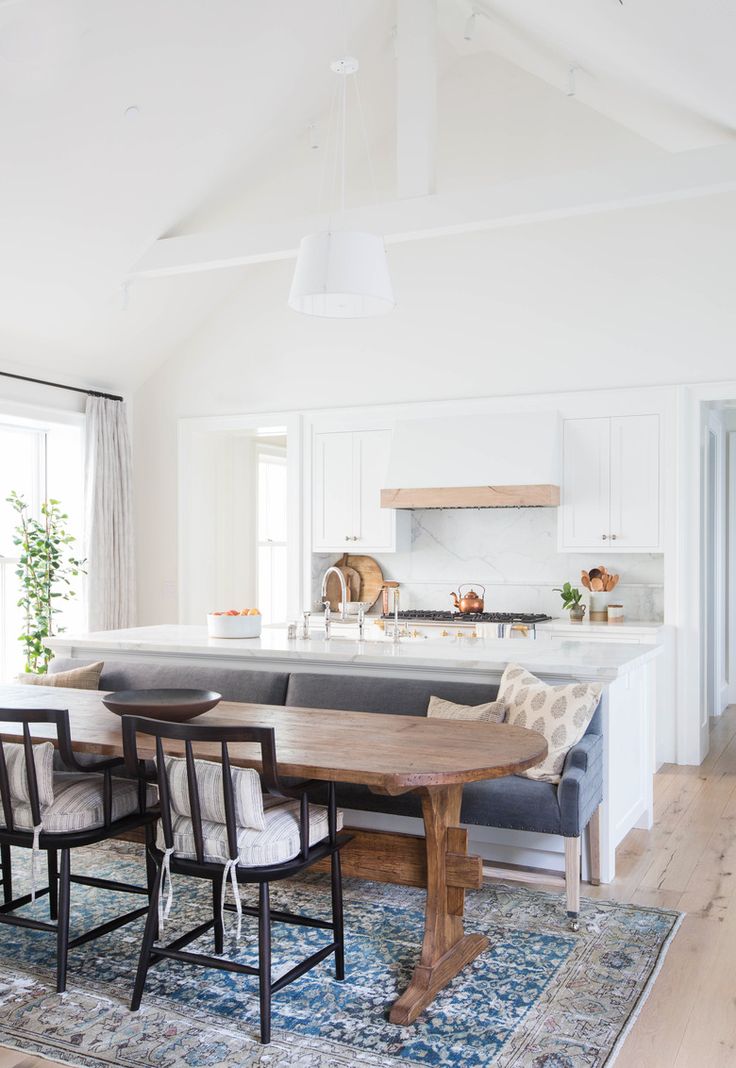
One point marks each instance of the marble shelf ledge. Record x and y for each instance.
(552, 658)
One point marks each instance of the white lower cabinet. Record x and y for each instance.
(348, 474)
(611, 484)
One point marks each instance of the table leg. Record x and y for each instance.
(446, 948)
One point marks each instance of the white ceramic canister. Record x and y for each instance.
(599, 606)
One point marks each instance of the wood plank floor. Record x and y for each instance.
(686, 862)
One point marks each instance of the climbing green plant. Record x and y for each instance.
(46, 569)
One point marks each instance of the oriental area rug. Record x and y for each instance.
(540, 997)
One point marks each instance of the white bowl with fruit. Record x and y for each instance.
(243, 623)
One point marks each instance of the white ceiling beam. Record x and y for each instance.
(667, 178)
(416, 98)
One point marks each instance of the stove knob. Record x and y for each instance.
(445, 634)
(459, 634)
(473, 634)
(415, 634)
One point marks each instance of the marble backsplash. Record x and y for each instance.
(513, 553)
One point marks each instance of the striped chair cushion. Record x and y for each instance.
(246, 792)
(15, 761)
(77, 804)
(276, 843)
(81, 678)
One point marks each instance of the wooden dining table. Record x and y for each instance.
(388, 753)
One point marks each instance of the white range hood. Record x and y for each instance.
(480, 461)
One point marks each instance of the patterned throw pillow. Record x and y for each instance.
(81, 678)
(246, 792)
(560, 713)
(491, 712)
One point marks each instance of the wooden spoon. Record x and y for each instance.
(596, 585)
(585, 580)
(595, 573)
(614, 580)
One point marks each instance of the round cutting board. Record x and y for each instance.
(369, 574)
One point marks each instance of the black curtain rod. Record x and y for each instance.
(59, 385)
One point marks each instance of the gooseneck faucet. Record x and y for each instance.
(343, 596)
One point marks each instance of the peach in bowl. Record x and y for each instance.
(235, 623)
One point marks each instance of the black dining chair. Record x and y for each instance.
(54, 812)
(217, 824)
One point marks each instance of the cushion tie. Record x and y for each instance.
(164, 910)
(35, 850)
(229, 872)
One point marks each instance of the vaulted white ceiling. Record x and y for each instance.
(225, 91)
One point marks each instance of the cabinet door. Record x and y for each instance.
(374, 527)
(332, 498)
(586, 483)
(635, 482)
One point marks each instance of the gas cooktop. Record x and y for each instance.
(425, 616)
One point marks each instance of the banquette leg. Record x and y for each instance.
(446, 948)
(572, 881)
(594, 843)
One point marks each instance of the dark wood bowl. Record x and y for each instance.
(174, 706)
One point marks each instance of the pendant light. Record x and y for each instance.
(342, 274)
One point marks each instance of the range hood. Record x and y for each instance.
(480, 460)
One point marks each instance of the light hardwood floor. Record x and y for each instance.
(686, 862)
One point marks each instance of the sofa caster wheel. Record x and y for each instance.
(574, 924)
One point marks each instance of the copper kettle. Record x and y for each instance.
(468, 602)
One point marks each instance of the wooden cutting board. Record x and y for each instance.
(365, 578)
(352, 581)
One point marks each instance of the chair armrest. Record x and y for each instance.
(581, 786)
(583, 752)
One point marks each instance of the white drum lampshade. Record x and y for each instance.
(342, 275)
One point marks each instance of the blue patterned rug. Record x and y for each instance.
(540, 996)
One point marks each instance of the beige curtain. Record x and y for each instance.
(109, 516)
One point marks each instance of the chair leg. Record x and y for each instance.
(53, 884)
(264, 960)
(62, 926)
(7, 874)
(594, 843)
(151, 866)
(337, 916)
(217, 914)
(149, 937)
(572, 881)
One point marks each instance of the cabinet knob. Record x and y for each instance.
(347, 537)
(604, 537)
(613, 537)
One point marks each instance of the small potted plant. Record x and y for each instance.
(571, 598)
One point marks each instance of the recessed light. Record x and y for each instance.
(132, 112)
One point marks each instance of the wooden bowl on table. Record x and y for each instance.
(173, 706)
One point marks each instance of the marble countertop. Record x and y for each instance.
(551, 657)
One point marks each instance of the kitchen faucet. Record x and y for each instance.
(343, 602)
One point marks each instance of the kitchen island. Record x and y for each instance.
(624, 671)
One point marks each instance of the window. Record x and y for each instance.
(271, 546)
(38, 462)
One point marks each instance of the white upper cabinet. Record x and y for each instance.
(349, 472)
(611, 484)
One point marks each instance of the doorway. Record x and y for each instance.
(239, 515)
(718, 562)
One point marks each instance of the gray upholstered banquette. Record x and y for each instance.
(513, 802)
